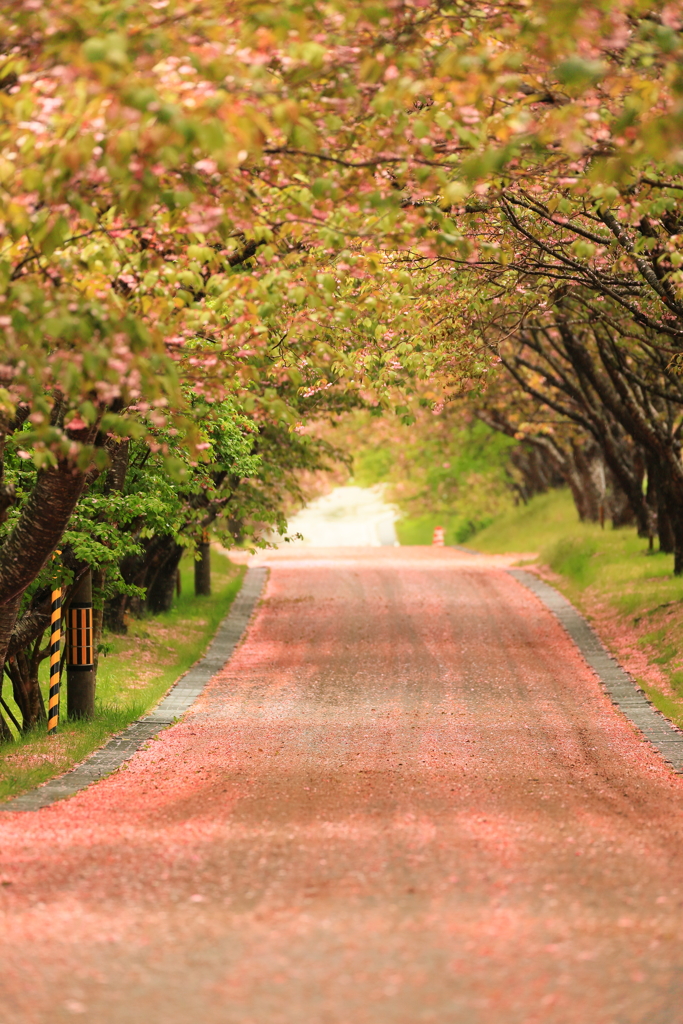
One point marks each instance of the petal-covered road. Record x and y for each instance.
(405, 799)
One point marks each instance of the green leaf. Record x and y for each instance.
(109, 49)
(577, 71)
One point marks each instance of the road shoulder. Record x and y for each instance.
(181, 697)
(620, 686)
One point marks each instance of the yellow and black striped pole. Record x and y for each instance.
(55, 639)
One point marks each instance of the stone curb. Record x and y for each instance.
(183, 694)
(661, 733)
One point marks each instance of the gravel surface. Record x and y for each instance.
(406, 798)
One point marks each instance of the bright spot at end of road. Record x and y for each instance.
(347, 517)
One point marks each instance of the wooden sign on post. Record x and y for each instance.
(80, 666)
(79, 647)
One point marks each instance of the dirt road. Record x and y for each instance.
(405, 799)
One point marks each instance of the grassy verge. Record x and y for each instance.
(139, 669)
(629, 594)
(420, 529)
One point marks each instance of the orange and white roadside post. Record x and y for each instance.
(55, 644)
(439, 536)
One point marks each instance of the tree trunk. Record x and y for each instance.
(587, 459)
(39, 529)
(620, 504)
(677, 529)
(678, 559)
(5, 731)
(202, 570)
(537, 466)
(161, 588)
(669, 484)
(114, 613)
(23, 672)
(119, 455)
(625, 479)
(665, 531)
(8, 618)
(6, 735)
(659, 498)
(148, 571)
(620, 510)
(98, 580)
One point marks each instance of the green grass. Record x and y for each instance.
(608, 569)
(527, 528)
(131, 679)
(420, 529)
(673, 709)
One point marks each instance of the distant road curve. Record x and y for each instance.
(347, 517)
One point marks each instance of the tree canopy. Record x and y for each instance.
(153, 155)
